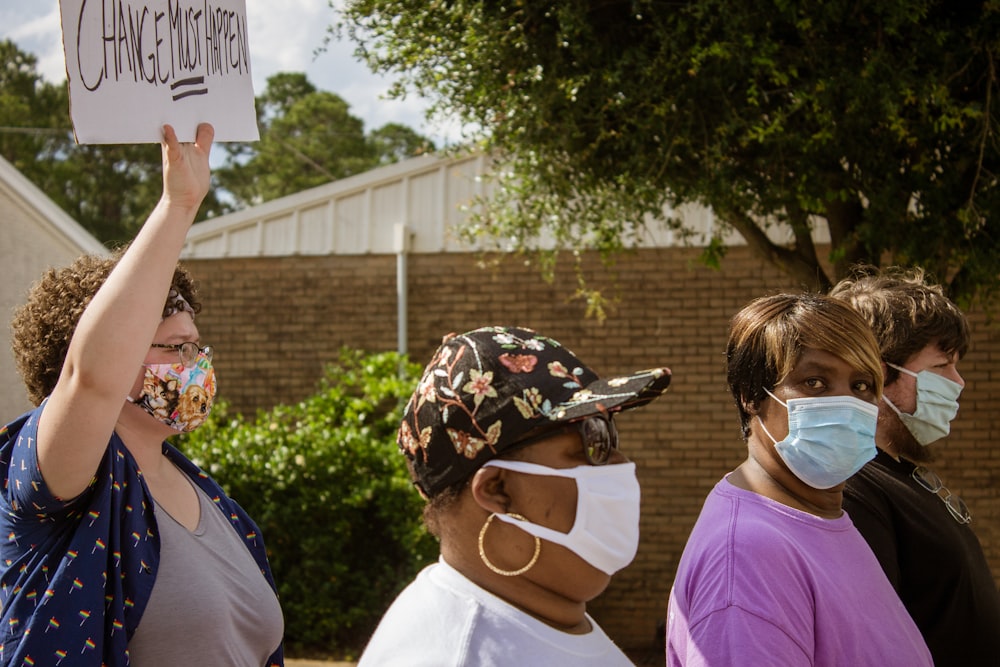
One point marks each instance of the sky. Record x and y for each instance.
(281, 40)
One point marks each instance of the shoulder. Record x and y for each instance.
(26, 495)
(733, 520)
(17, 443)
(426, 624)
(741, 521)
(876, 476)
(737, 561)
(756, 553)
(874, 493)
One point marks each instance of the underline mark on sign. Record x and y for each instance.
(188, 87)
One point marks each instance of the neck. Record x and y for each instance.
(893, 438)
(143, 436)
(782, 486)
(885, 435)
(525, 592)
(889, 449)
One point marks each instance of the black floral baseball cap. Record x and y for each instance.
(485, 390)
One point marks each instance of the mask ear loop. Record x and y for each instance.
(486, 561)
(761, 421)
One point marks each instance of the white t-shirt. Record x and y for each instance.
(442, 619)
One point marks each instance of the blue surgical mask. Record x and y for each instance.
(937, 405)
(829, 438)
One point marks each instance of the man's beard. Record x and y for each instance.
(903, 442)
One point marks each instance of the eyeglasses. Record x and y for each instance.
(600, 438)
(188, 352)
(598, 433)
(930, 481)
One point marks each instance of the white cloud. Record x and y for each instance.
(35, 28)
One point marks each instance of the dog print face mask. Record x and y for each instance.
(179, 397)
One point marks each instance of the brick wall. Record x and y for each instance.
(277, 321)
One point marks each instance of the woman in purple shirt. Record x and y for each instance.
(774, 572)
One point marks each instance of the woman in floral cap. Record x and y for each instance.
(512, 440)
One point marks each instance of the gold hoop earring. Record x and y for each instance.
(507, 573)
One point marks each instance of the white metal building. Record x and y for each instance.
(410, 206)
(35, 235)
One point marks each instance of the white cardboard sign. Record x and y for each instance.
(135, 65)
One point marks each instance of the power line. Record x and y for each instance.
(33, 130)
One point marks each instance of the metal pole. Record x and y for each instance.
(402, 234)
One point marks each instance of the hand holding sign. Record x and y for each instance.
(186, 173)
(135, 65)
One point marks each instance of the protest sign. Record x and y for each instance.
(136, 65)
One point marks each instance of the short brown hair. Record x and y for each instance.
(905, 312)
(42, 327)
(767, 336)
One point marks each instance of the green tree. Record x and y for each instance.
(325, 482)
(879, 118)
(32, 111)
(108, 189)
(308, 137)
(394, 142)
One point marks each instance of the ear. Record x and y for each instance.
(488, 489)
(751, 407)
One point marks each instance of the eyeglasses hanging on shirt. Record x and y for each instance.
(929, 480)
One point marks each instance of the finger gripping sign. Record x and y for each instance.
(134, 65)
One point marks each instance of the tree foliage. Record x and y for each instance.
(394, 142)
(29, 110)
(308, 138)
(108, 189)
(878, 118)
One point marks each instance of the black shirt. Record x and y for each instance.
(936, 564)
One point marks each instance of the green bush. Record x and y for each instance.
(329, 489)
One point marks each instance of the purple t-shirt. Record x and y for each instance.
(762, 583)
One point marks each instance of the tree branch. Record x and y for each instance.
(800, 262)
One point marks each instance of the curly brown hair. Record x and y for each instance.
(43, 326)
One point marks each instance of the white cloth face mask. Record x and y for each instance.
(605, 532)
(937, 405)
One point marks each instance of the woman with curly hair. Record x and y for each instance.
(116, 549)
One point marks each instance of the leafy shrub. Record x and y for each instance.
(325, 482)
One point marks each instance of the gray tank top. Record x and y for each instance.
(210, 603)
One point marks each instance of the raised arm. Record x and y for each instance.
(114, 333)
